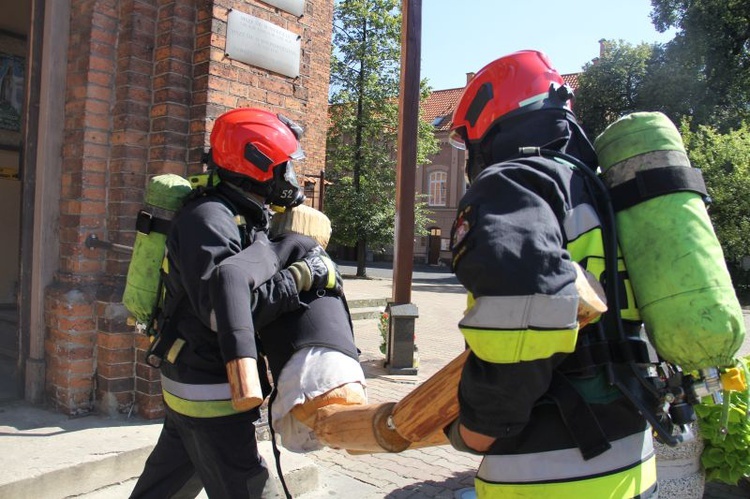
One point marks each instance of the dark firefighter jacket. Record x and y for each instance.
(323, 320)
(213, 267)
(519, 226)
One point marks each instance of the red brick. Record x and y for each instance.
(115, 370)
(145, 82)
(149, 406)
(147, 387)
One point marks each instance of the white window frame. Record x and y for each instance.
(437, 188)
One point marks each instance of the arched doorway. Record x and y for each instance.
(433, 246)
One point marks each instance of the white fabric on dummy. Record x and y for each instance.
(310, 372)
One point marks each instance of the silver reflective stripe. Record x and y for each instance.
(212, 321)
(566, 463)
(522, 312)
(217, 391)
(580, 220)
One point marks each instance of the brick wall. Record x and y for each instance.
(304, 99)
(145, 81)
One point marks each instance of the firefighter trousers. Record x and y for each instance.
(220, 454)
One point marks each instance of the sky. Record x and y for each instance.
(461, 36)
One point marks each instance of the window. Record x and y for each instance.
(309, 189)
(438, 181)
(439, 120)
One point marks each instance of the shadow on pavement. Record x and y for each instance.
(373, 368)
(431, 488)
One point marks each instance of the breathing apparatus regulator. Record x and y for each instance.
(651, 204)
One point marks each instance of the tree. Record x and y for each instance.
(610, 86)
(671, 85)
(713, 38)
(362, 137)
(702, 74)
(629, 78)
(724, 160)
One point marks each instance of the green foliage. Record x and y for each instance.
(383, 328)
(671, 84)
(702, 74)
(610, 87)
(724, 160)
(725, 457)
(362, 214)
(363, 132)
(712, 42)
(701, 79)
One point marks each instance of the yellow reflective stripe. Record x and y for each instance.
(469, 302)
(625, 484)
(504, 346)
(629, 311)
(174, 350)
(588, 247)
(331, 272)
(199, 409)
(240, 220)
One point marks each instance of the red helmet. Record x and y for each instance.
(523, 80)
(253, 142)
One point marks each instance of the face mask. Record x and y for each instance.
(285, 191)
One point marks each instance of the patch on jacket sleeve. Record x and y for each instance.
(462, 225)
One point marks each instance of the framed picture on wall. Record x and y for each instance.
(12, 69)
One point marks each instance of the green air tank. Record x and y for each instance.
(164, 196)
(675, 262)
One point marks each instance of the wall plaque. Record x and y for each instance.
(296, 7)
(263, 44)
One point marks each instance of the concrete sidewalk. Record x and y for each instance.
(48, 455)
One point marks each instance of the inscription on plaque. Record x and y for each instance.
(263, 44)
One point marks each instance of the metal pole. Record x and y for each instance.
(411, 35)
(321, 189)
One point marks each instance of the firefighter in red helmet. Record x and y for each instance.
(547, 419)
(223, 277)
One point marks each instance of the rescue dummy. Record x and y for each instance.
(310, 351)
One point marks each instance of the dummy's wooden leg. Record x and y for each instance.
(244, 383)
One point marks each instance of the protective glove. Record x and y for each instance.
(316, 271)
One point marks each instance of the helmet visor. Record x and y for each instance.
(285, 190)
(456, 140)
(298, 154)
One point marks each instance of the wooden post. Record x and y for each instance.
(322, 189)
(403, 261)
